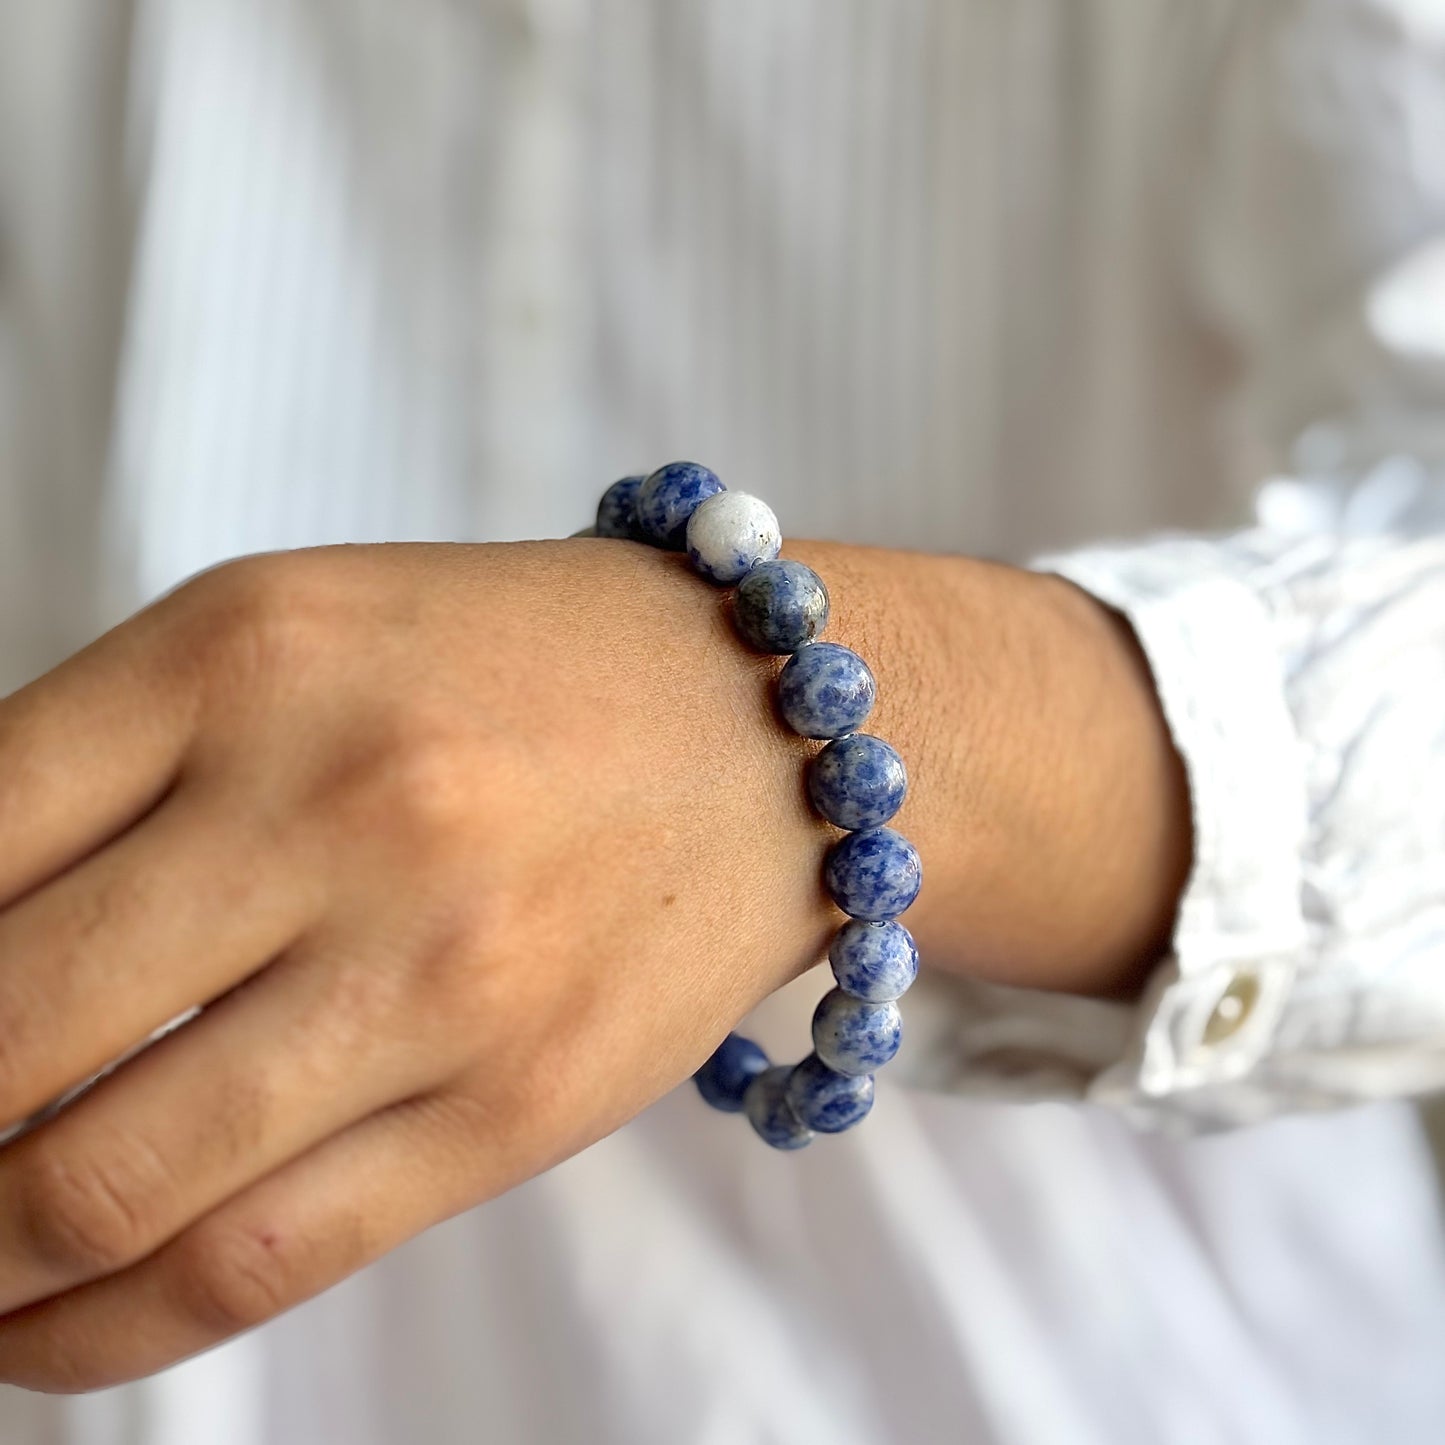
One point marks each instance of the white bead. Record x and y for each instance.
(729, 534)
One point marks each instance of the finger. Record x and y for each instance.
(172, 914)
(304, 1228)
(87, 749)
(316, 1042)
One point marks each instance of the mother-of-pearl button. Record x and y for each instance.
(1235, 1005)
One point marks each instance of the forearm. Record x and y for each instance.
(1048, 802)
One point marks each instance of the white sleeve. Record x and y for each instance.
(1301, 664)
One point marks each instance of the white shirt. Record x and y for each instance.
(969, 276)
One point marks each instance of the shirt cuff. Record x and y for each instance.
(1184, 1054)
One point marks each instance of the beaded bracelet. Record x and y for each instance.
(857, 782)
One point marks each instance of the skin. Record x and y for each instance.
(471, 853)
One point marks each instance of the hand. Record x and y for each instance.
(470, 853)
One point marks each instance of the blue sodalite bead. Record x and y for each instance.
(617, 511)
(874, 874)
(768, 1110)
(668, 497)
(826, 1100)
(724, 1078)
(874, 961)
(857, 782)
(825, 690)
(780, 606)
(852, 1036)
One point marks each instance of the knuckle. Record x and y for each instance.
(430, 1011)
(62, 1368)
(426, 788)
(460, 978)
(83, 1216)
(465, 1122)
(234, 1278)
(254, 618)
(414, 785)
(354, 1019)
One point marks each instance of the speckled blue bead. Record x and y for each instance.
(857, 782)
(874, 961)
(874, 874)
(825, 1100)
(668, 497)
(780, 606)
(617, 511)
(825, 690)
(724, 1079)
(852, 1036)
(768, 1110)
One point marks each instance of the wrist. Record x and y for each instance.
(1050, 805)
